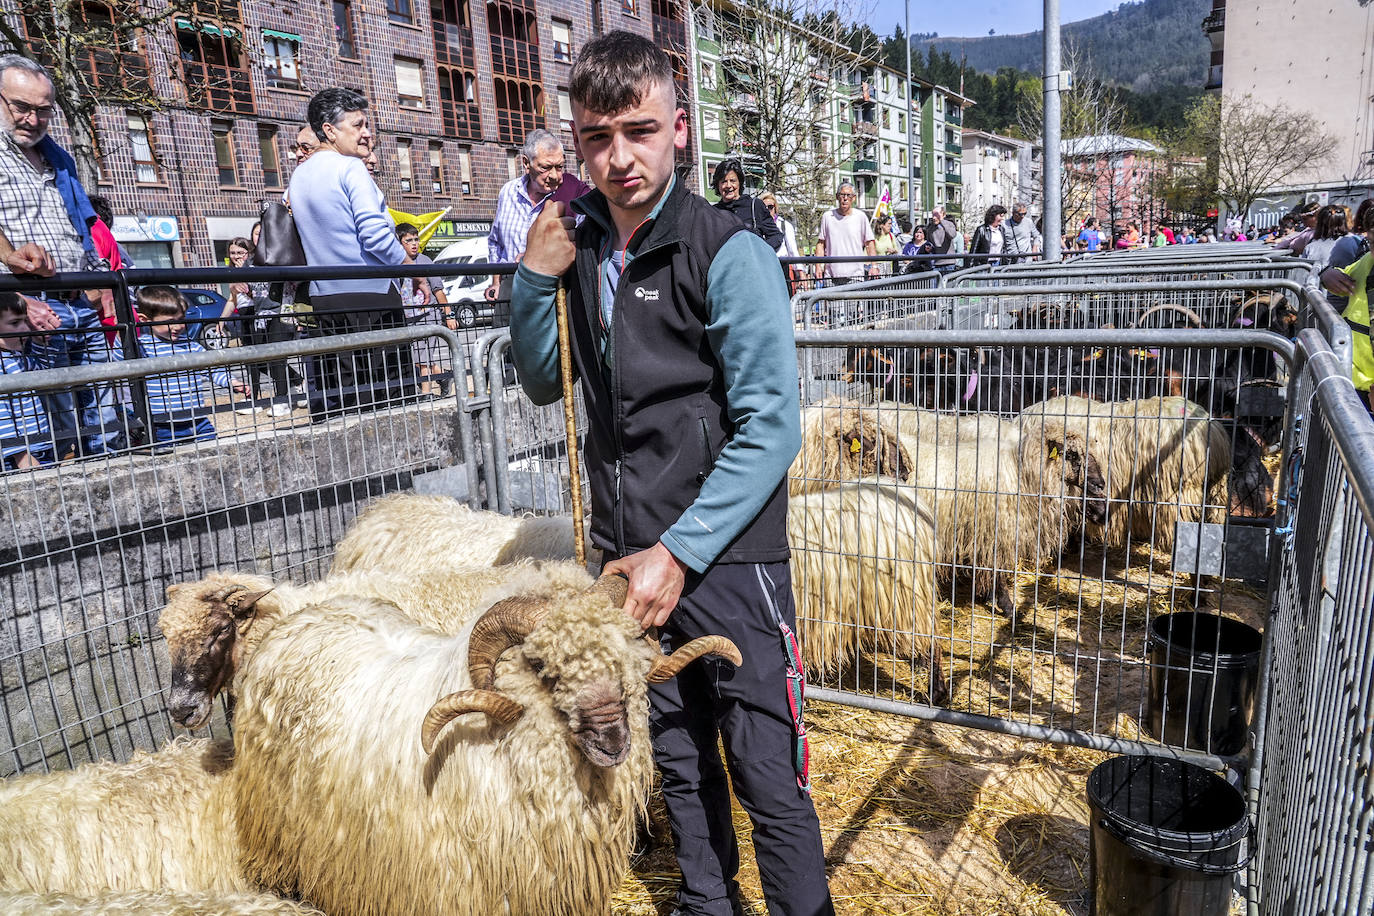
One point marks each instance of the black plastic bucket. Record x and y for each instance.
(1203, 673)
(1166, 838)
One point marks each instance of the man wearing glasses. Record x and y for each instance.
(845, 232)
(45, 211)
(523, 197)
(306, 143)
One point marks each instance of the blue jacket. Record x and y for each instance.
(79, 209)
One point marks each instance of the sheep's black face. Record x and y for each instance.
(601, 725)
(1094, 491)
(198, 673)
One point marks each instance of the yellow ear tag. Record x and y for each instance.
(1054, 453)
(854, 447)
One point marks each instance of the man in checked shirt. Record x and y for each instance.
(45, 212)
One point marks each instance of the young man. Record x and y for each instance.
(690, 384)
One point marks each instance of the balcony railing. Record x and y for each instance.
(216, 88)
(951, 178)
(1215, 21)
(955, 148)
(865, 128)
(865, 166)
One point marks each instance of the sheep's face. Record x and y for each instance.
(590, 658)
(870, 450)
(1082, 475)
(202, 623)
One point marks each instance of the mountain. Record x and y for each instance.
(1145, 46)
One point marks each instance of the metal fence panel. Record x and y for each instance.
(91, 545)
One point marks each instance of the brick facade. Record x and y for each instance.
(211, 205)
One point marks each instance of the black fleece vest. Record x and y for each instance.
(657, 420)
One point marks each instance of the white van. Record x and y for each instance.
(467, 294)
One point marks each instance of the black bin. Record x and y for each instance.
(1203, 673)
(1166, 838)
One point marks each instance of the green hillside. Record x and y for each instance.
(1145, 46)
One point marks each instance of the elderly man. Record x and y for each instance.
(523, 198)
(944, 238)
(45, 211)
(1020, 232)
(845, 232)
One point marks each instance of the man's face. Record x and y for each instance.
(1020, 215)
(352, 135)
(545, 171)
(411, 243)
(729, 187)
(844, 200)
(629, 154)
(306, 144)
(27, 106)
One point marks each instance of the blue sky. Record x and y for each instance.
(975, 18)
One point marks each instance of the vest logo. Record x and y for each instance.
(648, 295)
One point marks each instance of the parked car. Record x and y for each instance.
(203, 308)
(467, 294)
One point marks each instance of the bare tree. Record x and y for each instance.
(783, 68)
(97, 52)
(1089, 109)
(1253, 147)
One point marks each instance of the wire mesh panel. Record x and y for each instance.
(1315, 821)
(1014, 519)
(90, 546)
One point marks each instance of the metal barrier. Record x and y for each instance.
(1313, 780)
(90, 547)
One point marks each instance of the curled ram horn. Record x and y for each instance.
(667, 667)
(498, 707)
(1193, 317)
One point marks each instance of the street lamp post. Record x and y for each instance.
(1053, 212)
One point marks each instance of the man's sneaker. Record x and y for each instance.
(247, 411)
(280, 410)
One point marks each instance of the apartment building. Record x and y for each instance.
(992, 174)
(1317, 58)
(454, 86)
(1113, 178)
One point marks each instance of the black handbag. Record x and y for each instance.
(279, 245)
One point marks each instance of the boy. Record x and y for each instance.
(25, 437)
(175, 399)
(418, 297)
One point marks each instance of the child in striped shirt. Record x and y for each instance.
(175, 400)
(25, 437)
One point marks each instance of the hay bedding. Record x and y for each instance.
(930, 819)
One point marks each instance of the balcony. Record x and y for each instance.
(865, 166)
(951, 178)
(865, 128)
(744, 101)
(954, 148)
(1215, 21)
(225, 90)
(955, 116)
(1213, 77)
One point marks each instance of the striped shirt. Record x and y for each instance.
(23, 421)
(177, 396)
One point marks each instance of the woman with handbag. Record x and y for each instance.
(341, 218)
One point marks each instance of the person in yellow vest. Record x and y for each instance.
(1353, 282)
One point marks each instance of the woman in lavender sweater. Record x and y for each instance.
(342, 219)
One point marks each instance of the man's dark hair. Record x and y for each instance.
(613, 72)
(328, 106)
(405, 229)
(160, 303)
(102, 208)
(11, 303)
(992, 213)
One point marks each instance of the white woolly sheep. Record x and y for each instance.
(151, 903)
(841, 441)
(862, 572)
(415, 532)
(1163, 458)
(212, 624)
(1002, 497)
(162, 821)
(530, 811)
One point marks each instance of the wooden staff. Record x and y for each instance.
(570, 423)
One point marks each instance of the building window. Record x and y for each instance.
(901, 156)
(903, 191)
(564, 109)
(436, 167)
(629, 7)
(708, 76)
(280, 53)
(410, 83)
(887, 154)
(141, 142)
(465, 169)
(458, 98)
(400, 11)
(267, 149)
(562, 41)
(710, 125)
(706, 22)
(901, 123)
(403, 166)
(519, 109)
(225, 160)
(213, 67)
(887, 119)
(343, 30)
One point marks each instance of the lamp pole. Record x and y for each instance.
(1053, 211)
(910, 130)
